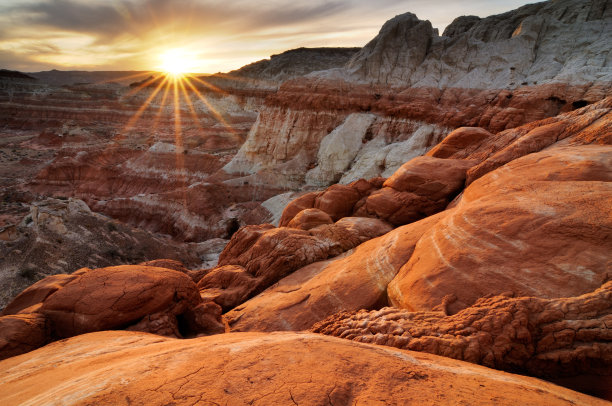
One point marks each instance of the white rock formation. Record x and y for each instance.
(556, 41)
(338, 149)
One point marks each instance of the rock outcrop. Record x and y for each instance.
(561, 41)
(353, 281)
(538, 226)
(421, 187)
(62, 235)
(259, 256)
(549, 338)
(133, 297)
(251, 368)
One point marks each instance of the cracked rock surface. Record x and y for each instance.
(109, 368)
(541, 337)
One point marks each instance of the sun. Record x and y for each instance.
(177, 62)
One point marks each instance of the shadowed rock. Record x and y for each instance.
(134, 297)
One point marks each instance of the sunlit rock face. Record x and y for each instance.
(409, 87)
(63, 235)
(278, 368)
(558, 41)
(550, 338)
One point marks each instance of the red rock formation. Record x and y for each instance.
(241, 369)
(538, 226)
(353, 281)
(588, 125)
(142, 298)
(548, 338)
(421, 187)
(259, 256)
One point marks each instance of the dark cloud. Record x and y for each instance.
(107, 21)
(111, 32)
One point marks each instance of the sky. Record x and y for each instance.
(207, 36)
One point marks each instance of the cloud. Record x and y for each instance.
(108, 32)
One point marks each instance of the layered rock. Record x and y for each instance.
(538, 226)
(549, 338)
(498, 73)
(353, 281)
(61, 235)
(259, 256)
(133, 297)
(280, 368)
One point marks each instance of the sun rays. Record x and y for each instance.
(169, 107)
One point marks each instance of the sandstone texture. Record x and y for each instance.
(356, 280)
(280, 368)
(538, 226)
(136, 297)
(540, 337)
(259, 256)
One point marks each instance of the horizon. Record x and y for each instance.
(207, 36)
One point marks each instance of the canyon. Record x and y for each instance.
(440, 205)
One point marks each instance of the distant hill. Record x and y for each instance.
(296, 62)
(13, 74)
(61, 78)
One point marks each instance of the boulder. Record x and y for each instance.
(310, 218)
(134, 297)
(116, 297)
(419, 188)
(538, 226)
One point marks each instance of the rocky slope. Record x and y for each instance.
(62, 235)
(290, 64)
(257, 369)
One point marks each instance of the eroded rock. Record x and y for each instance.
(548, 338)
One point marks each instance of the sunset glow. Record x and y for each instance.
(177, 62)
(199, 36)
